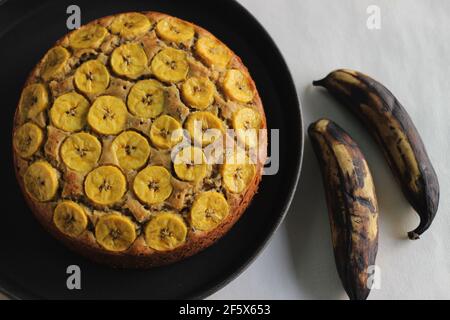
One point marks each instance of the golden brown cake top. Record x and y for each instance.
(116, 125)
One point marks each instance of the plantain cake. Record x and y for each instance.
(105, 134)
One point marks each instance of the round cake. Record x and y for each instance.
(139, 139)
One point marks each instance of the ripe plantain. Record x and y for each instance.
(394, 130)
(352, 205)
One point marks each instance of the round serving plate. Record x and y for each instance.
(34, 265)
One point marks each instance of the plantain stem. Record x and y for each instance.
(413, 236)
(319, 83)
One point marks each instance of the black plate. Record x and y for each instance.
(33, 265)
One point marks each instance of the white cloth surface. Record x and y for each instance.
(410, 55)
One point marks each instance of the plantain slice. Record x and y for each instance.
(69, 112)
(54, 62)
(34, 100)
(237, 86)
(105, 185)
(28, 139)
(130, 25)
(170, 65)
(69, 217)
(208, 210)
(146, 99)
(204, 127)
(246, 123)
(166, 132)
(115, 232)
(89, 36)
(92, 77)
(166, 231)
(129, 60)
(81, 151)
(175, 30)
(41, 181)
(107, 115)
(238, 175)
(153, 185)
(198, 92)
(213, 52)
(190, 164)
(131, 149)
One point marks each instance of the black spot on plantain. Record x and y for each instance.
(363, 238)
(365, 202)
(361, 96)
(360, 171)
(338, 134)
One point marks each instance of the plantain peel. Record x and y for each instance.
(352, 205)
(395, 132)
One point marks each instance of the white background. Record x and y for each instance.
(410, 54)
